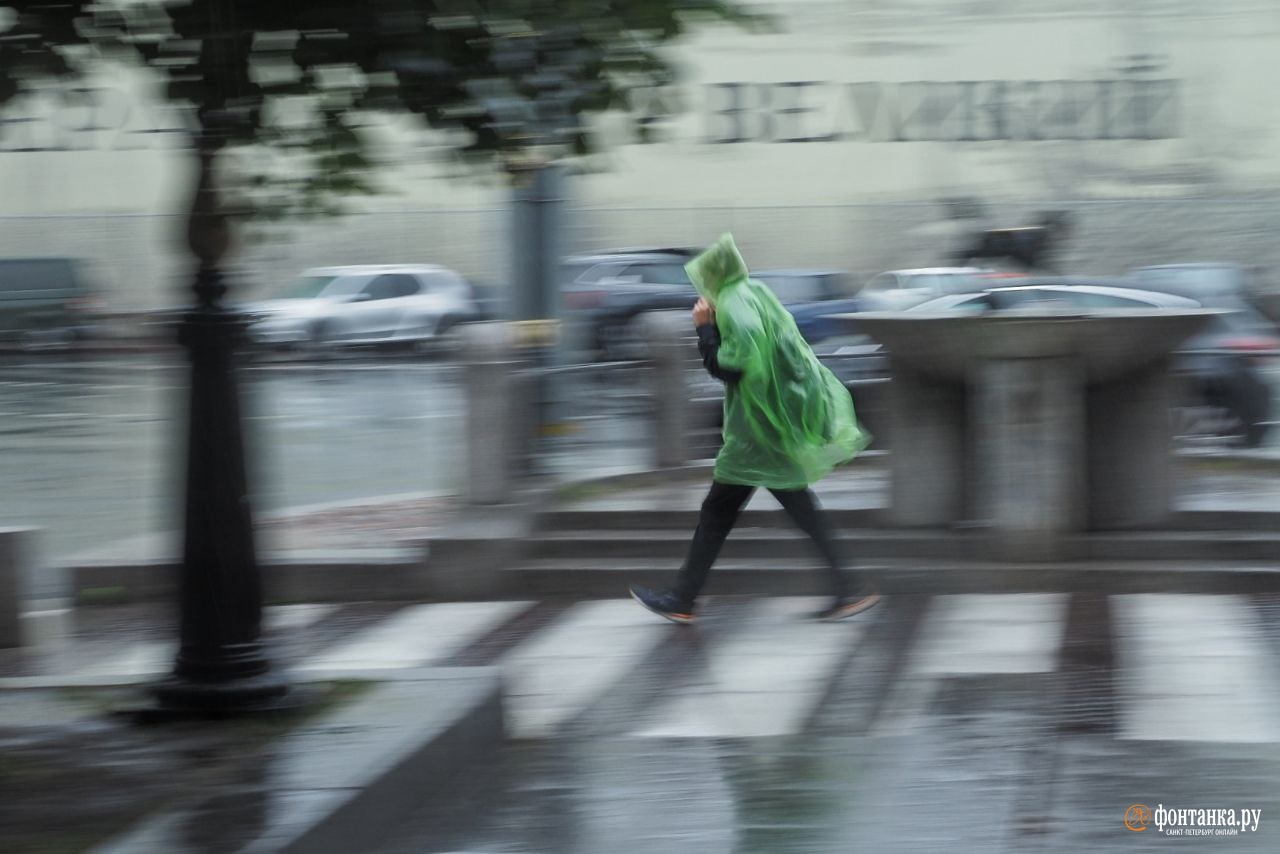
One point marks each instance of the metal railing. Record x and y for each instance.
(594, 418)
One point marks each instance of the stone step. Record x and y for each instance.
(623, 518)
(747, 542)
(1224, 520)
(1179, 545)
(584, 577)
(750, 543)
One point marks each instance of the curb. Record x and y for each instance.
(361, 576)
(736, 578)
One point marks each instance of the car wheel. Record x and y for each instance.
(320, 342)
(625, 342)
(449, 341)
(443, 340)
(1198, 422)
(1214, 422)
(51, 338)
(1256, 433)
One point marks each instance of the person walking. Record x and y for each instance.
(788, 421)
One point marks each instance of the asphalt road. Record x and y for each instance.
(92, 450)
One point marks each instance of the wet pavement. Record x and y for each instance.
(994, 762)
(1017, 723)
(974, 723)
(90, 447)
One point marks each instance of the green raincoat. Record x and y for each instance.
(788, 421)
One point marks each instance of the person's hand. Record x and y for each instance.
(703, 313)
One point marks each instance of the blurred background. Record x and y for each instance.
(838, 141)
(425, 261)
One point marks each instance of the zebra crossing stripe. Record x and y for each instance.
(570, 664)
(1188, 667)
(764, 680)
(991, 633)
(286, 617)
(971, 634)
(1193, 668)
(415, 636)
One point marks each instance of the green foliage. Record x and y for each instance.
(516, 78)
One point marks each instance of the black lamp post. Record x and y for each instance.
(221, 665)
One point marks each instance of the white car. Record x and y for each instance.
(897, 290)
(331, 306)
(1064, 294)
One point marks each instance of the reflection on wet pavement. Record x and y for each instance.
(993, 758)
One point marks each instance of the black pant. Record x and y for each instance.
(719, 513)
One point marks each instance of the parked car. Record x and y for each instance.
(605, 292)
(45, 301)
(414, 304)
(896, 290)
(1211, 284)
(1069, 293)
(612, 289)
(812, 296)
(1220, 369)
(1226, 366)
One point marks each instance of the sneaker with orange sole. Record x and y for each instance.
(844, 607)
(663, 603)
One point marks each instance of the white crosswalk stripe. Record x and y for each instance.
(764, 680)
(991, 633)
(970, 634)
(1193, 668)
(287, 617)
(1188, 667)
(416, 636)
(572, 663)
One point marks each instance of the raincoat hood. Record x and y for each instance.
(720, 265)
(787, 421)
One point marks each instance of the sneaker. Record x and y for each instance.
(663, 603)
(843, 607)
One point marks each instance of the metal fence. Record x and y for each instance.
(596, 419)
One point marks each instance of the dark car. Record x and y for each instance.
(44, 300)
(812, 296)
(1221, 370)
(1225, 367)
(610, 290)
(605, 291)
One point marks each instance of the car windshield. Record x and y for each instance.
(310, 287)
(37, 274)
(791, 289)
(1195, 282)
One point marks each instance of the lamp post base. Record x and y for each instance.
(178, 697)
